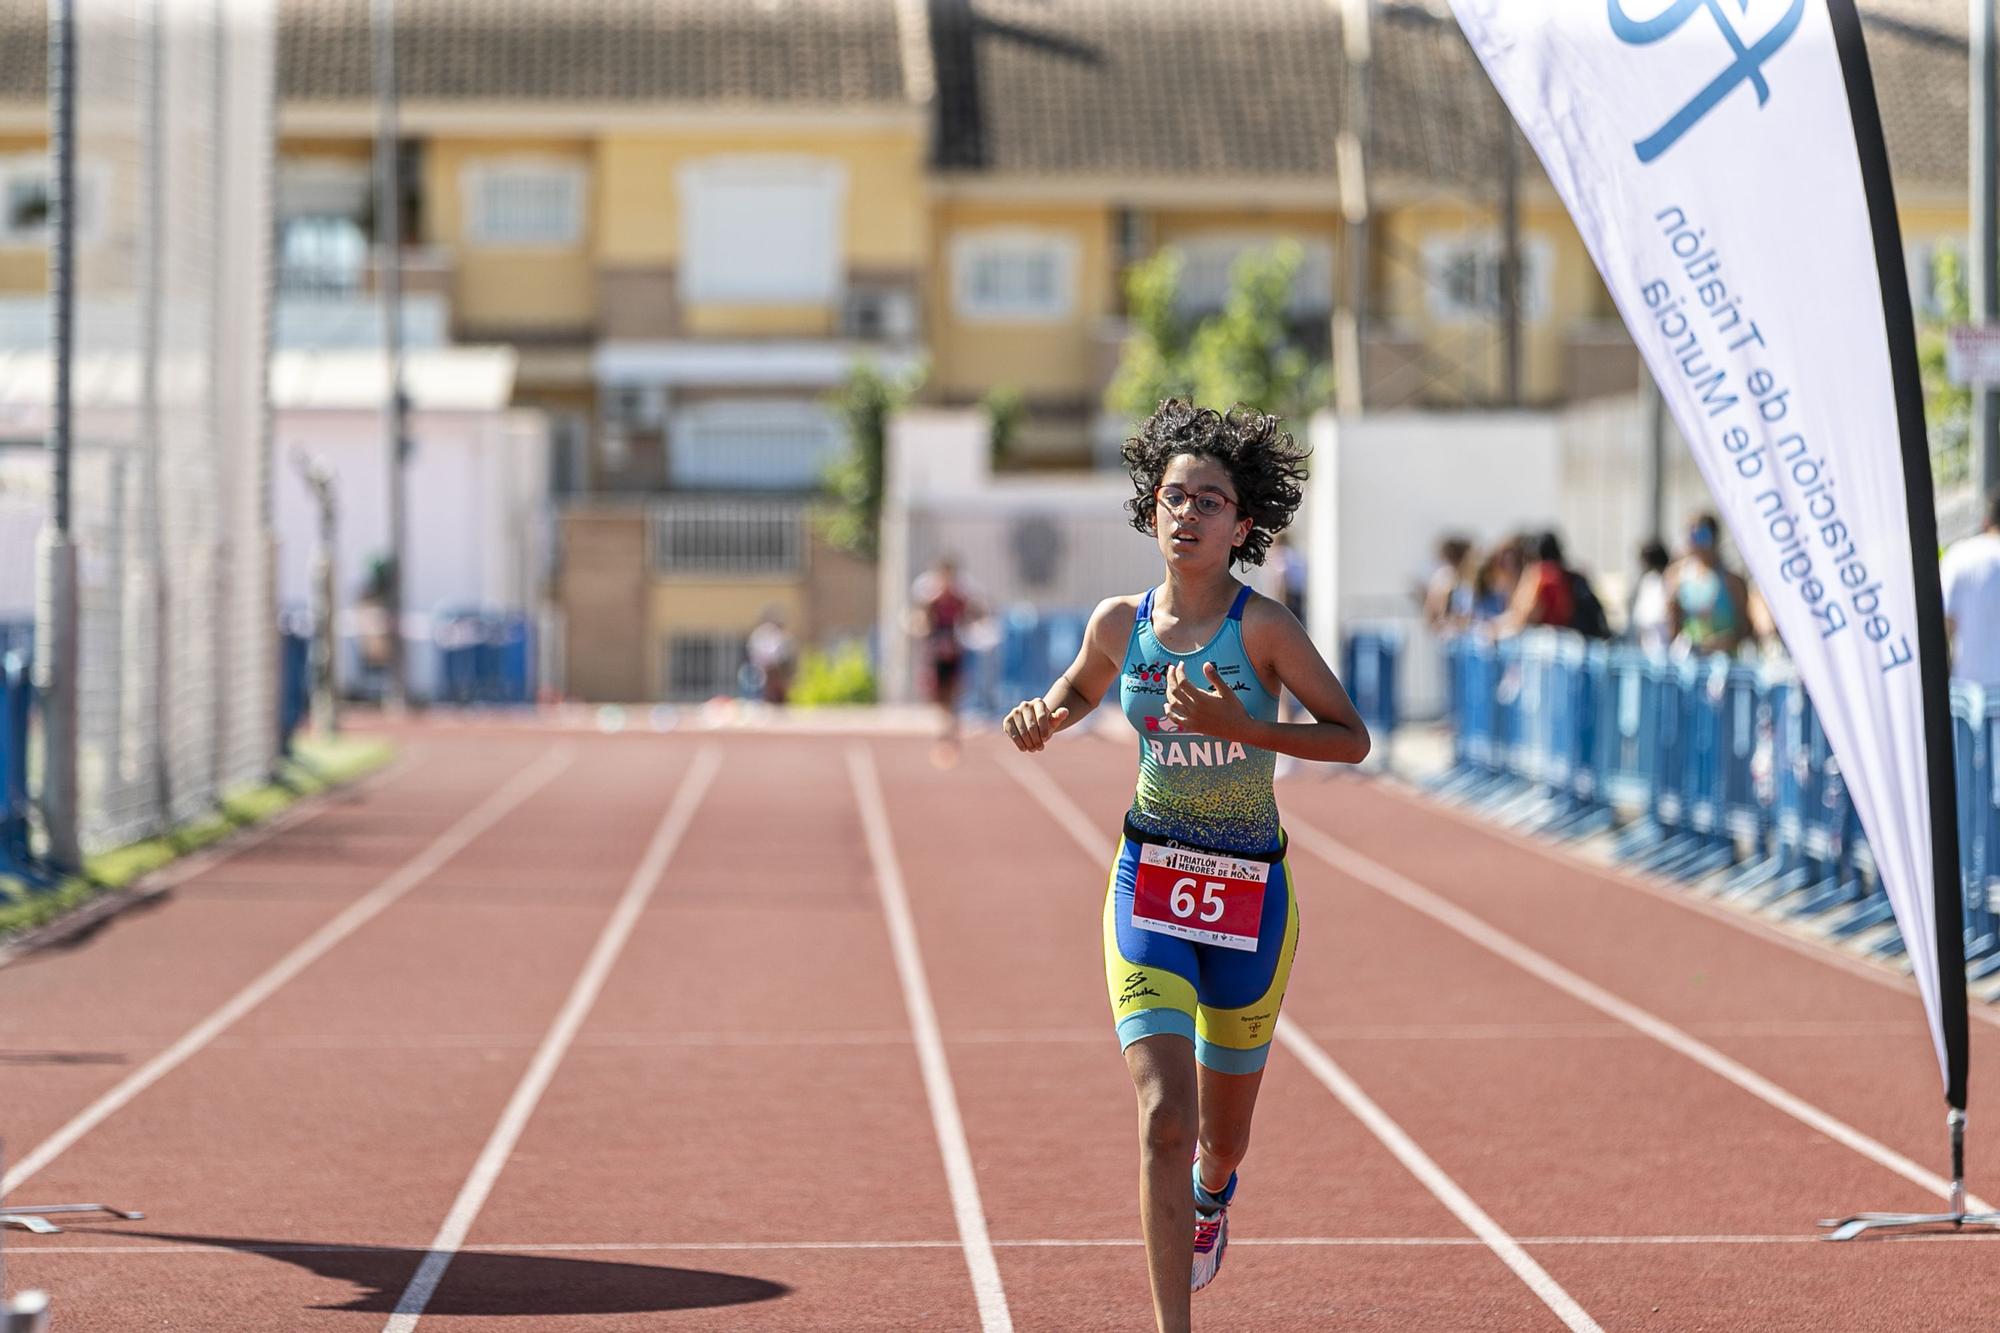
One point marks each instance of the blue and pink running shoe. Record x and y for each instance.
(1211, 1232)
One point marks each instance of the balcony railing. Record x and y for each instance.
(742, 538)
(423, 270)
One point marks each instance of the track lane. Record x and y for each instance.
(1615, 1136)
(1681, 966)
(1010, 911)
(363, 1144)
(759, 1033)
(717, 1094)
(75, 1020)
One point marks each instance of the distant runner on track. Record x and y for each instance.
(1200, 918)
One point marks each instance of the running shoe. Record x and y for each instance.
(1211, 1235)
(1211, 1238)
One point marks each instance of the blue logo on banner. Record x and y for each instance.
(1747, 67)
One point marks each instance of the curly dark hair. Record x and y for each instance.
(1263, 461)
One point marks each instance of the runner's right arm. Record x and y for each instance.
(1079, 689)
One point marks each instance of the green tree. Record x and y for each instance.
(1006, 408)
(865, 403)
(1947, 406)
(1244, 353)
(1151, 365)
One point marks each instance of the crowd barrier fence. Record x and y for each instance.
(1706, 769)
(294, 683)
(485, 658)
(17, 698)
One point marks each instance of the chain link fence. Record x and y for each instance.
(177, 648)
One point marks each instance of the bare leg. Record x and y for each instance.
(1226, 1103)
(944, 750)
(1163, 1076)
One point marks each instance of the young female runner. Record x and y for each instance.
(1200, 918)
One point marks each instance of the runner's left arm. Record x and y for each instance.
(1279, 645)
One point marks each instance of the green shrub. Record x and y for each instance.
(842, 676)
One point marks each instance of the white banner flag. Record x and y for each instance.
(1725, 166)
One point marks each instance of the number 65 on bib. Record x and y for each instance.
(1199, 896)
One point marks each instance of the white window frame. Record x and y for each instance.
(730, 646)
(1537, 275)
(971, 248)
(796, 417)
(710, 272)
(477, 175)
(1312, 292)
(92, 184)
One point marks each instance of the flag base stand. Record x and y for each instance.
(36, 1219)
(1847, 1228)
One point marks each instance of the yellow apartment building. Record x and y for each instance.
(693, 218)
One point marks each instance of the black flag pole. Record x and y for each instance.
(1933, 650)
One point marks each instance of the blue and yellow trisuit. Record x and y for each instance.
(1198, 795)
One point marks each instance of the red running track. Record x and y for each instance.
(763, 1032)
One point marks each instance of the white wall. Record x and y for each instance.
(1398, 482)
(24, 504)
(942, 498)
(477, 497)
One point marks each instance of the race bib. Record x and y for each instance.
(1199, 896)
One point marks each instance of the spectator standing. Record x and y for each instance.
(773, 656)
(1707, 603)
(941, 608)
(1646, 616)
(1446, 595)
(1544, 595)
(1494, 585)
(1971, 574)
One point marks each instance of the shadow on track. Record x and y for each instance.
(485, 1283)
(64, 1058)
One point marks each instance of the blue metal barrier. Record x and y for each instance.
(16, 707)
(1369, 672)
(294, 685)
(18, 636)
(485, 658)
(1035, 647)
(1719, 766)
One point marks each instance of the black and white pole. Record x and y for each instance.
(1983, 269)
(1947, 891)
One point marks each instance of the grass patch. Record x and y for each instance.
(317, 766)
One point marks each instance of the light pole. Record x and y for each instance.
(56, 658)
(389, 240)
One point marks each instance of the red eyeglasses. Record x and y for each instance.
(1176, 500)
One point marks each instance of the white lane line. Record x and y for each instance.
(1417, 1162)
(964, 1185)
(28, 1248)
(1806, 944)
(1414, 895)
(411, 873)
(65, 1050)
(583, 994)
(1446, 1190)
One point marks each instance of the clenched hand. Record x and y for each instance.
(1032, 722)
